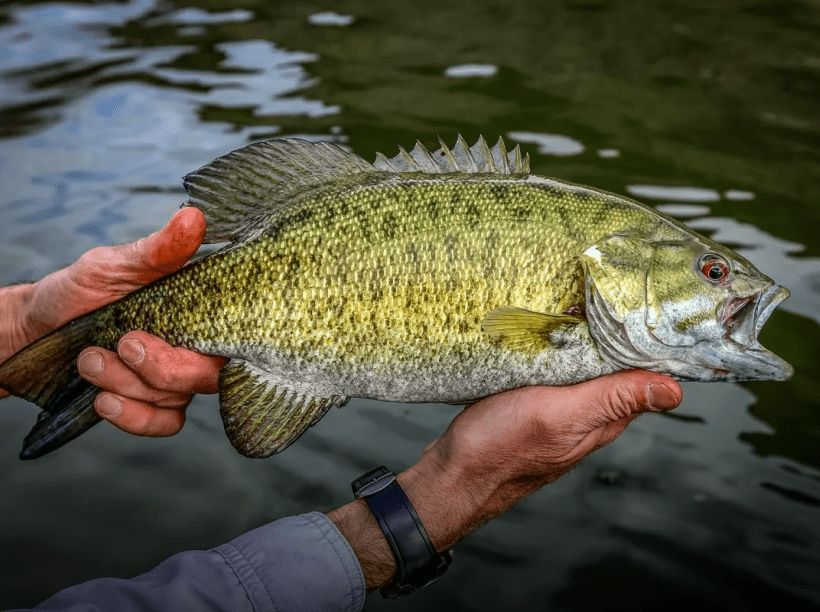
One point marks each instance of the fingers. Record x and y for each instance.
(140, 418)
(107, 371)
(162, 366)
(585, 417)
(127, 401)
(149, 382)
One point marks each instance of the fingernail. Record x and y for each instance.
(91, 363)
(131, 351)
(661, 397)
(108, 406)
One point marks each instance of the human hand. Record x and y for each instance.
(501, 449)
(147, 383)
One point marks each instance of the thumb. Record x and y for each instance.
(171, 247)
(105, 274)
(625, 395)
(112, 272)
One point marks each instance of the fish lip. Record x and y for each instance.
(769, 300)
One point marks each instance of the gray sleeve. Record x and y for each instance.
(296, 564)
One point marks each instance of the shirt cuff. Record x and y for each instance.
(295, 564)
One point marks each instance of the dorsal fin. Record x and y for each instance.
(241, 189)
(235, 190)
(461, 158)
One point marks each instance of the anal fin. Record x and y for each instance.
(524, 330)
(262, 418)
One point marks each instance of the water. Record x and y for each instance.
(707, 110)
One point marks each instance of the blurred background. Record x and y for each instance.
(707, 110)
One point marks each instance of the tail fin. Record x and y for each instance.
(45, 372)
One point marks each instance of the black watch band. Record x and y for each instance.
(417, 561)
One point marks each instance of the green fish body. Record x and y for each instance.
(429, 277)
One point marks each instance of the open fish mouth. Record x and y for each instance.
(745, 317)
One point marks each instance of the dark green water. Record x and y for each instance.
(707, 109)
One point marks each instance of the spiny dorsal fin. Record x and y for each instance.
(262, 418)
(523, 330)
(239, 188)
(461, 158)
(239, 191)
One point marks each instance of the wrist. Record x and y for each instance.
(448, 505)
(436, 498)
(456, 496)
(450, 501)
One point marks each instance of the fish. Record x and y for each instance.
(432, 276)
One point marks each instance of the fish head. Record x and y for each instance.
(690, 308)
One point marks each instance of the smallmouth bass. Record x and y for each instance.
(439, 276)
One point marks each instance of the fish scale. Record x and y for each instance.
(427, 277)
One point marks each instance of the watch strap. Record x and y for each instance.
(418, 563)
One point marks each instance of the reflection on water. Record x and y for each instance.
(608, 153)
(329, 18)
(550, 144)
(737, 194)
(684, 210)
(105, 106)
(191, 16)
(471, 70)
(685, 194)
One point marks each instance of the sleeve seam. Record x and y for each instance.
(317, 523)
(248, 591)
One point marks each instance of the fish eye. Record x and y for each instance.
(714, 267)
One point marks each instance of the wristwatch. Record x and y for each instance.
(417, 561)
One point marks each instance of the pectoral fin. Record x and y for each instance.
(524, 330)
(261, 417)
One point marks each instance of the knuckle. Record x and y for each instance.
(141, 426)
(142, 419)
(93, 255)
(167, 368)
(175, 401)
(95, 261)
(160, 370)
(620, 402)
(164, 378)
